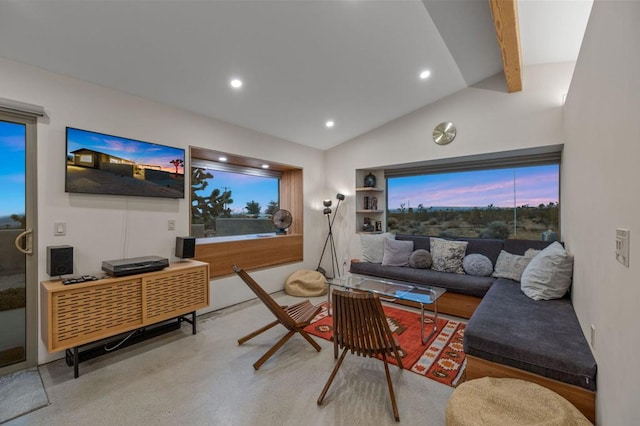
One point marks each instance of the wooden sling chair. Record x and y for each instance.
(360, 326)
(295, 317)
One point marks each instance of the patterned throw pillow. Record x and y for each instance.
(420, 259)
(448, 255)
(477, 265)
(512, 266)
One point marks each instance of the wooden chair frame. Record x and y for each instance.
(360, 326)
(294, 318)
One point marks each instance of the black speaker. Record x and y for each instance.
(185, 247)
(59, 260)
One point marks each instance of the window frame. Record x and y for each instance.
(249, 251)
(538, 156)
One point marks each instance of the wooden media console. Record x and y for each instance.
(79, 314)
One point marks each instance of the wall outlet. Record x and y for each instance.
(172, 225)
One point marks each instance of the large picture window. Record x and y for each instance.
(230, 200)
(519, 202)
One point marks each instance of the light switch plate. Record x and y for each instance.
(60, 229)
(622, 246)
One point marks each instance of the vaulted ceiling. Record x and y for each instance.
(302, 63)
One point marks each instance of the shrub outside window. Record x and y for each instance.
(518, 203)
(233, 201)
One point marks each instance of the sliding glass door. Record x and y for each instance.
(18, 270)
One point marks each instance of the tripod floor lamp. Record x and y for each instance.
(329, 240)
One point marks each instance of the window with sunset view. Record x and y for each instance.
(518, 203)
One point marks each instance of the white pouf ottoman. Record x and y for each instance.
(305, 283)
(492, 401)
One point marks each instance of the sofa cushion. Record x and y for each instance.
(455, 283)
(447, 256)
(512, 266)
(485, 246)
(419, 241)
(373, 246)
(396, 253)
(477, 265)
(548, 276)
(521, 246)
(542, 337)
(420, 259)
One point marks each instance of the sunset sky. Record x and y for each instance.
(534, 185)
(137, 151)
(244, 188)
(12, 140)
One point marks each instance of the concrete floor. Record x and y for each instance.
(207, 379)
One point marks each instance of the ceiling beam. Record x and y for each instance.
(505, 21)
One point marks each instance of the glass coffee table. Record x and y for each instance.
(392, 291)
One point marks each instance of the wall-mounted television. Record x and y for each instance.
(97, 163)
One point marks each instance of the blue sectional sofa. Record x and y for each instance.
(508, 334)
(464, 292)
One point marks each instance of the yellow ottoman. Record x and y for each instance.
(512, 402)
(306, 283)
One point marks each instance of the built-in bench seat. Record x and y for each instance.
(508, 334)
(540, 337)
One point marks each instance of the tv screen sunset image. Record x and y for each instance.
(103, 164)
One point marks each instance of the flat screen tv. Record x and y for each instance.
(104, 164)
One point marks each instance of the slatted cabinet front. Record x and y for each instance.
(75, 315)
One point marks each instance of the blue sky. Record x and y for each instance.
(12, 185)
(534, 185)
(140, 152)
(244, 188)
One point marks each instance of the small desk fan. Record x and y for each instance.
(282, 221)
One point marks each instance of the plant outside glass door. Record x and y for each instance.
(16, 240)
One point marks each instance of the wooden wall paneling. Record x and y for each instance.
(291, 198)
(250, 254)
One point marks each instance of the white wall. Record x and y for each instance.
(486, 120)
(112, 227)
(601, 171)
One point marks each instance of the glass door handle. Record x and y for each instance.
(28, 248)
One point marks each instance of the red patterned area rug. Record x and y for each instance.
(441, 359)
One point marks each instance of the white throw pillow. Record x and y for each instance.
(447, 256)
(396, 252)
(548, 275)
(373, 246)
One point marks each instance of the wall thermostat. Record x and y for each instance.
(622, 246)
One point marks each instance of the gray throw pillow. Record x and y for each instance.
(420, 259)
(373, 246)
(447, 255)
(477, 264)
(548, 275)
(511, 266)
(396, 252)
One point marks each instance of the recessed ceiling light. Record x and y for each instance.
(265, 166)
(330, 124)
(222, 158)
(236, 83)
(425, 74)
